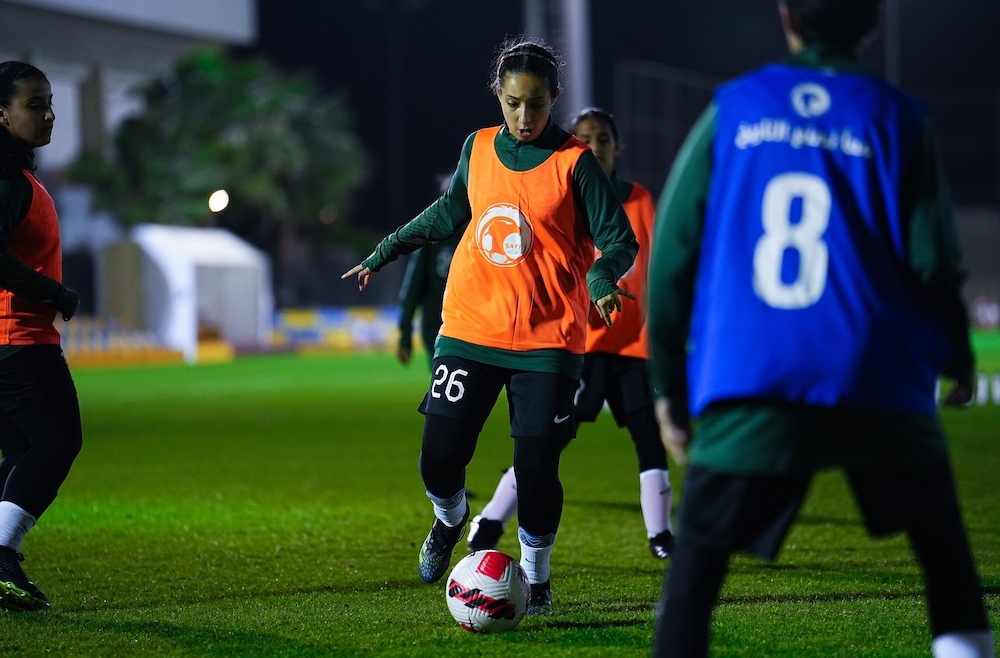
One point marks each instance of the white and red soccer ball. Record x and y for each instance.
(487, 592)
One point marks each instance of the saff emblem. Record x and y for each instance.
(504, 235)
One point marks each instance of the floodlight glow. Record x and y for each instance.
(218, 201)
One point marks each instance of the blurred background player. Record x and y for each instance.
(808, 296)
(533, 202)
(422, 288)
(40, 430)
(614, 366)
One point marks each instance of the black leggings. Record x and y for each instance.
(40, 429)
(951, 581)
(927, 511)
(692, 585)
(448, 447)
(644, 430)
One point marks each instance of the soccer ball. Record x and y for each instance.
(487, 592)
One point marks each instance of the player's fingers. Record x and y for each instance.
(625, 293)
(661, 407)
(351, 272)
(605, 305)
(363, 278)
(678, 453)
(673, 437)
(675, 440)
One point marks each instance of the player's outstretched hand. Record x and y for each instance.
(364, 275)
(960, 395)
(674, 433)
(612, 302)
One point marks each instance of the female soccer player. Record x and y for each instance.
(533, 202)
(808, 285)
(614, 367)
(40, 431)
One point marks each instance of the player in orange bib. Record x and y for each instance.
(40, 430)
(532, 202)
(614, 367)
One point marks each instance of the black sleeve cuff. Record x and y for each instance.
(22, 280)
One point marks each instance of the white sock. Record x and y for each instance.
(535, 555)
(450, 510)
(977, 644)
(14, 525)
(503, 504)
(655, 498)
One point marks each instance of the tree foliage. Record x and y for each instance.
(285, 153)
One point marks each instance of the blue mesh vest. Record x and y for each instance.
(803, 291)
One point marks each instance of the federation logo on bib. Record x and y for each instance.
(504, 235)
(810, 100)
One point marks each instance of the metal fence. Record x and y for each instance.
(655, 107)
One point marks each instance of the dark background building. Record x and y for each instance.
(417, 71)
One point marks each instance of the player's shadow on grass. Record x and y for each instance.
(615, 506)
(640, 613)
(603, 504)
(838, 521)
(188, 639)
(196, 597)
(825, 597)
(554, 622)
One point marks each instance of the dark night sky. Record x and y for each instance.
(419, 81)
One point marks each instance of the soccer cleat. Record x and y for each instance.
(435, 553)
(662, 545)
(540, 600)
(16, 591)
(484, 533)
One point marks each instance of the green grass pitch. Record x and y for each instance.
(272, 507)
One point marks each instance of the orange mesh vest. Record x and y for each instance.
(628, 336)
(36, 242)
(518, 277)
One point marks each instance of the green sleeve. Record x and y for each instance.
(674, 258)
(609, 226)
(933, 248)
(438, 222)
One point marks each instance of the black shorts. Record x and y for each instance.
(540, 404)
(622, 381)
(753, 514)
(36, 375)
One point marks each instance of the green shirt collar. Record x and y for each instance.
(522, 156)
(551, 138)
(825, 57)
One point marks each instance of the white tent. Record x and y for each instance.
(203, 280)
